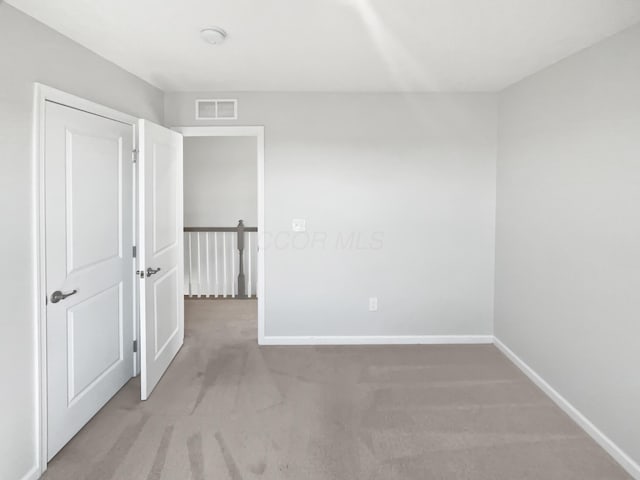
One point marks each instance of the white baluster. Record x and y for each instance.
(233, 264)
(199, 266)
(206, 246)
(215, 258)
(224, 261)
(190, 260)
(249, 264)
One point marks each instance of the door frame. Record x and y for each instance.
(42, 94)
(258, 133)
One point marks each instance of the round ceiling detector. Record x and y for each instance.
(213, 35)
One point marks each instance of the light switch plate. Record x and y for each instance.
(299, 225)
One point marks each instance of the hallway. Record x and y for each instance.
(227, 409)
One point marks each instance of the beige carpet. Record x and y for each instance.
(228, 409)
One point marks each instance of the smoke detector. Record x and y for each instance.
(213, 35)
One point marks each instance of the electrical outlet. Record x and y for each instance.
(373, 304)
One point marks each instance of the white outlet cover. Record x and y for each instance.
(299, 225)
(373, 304)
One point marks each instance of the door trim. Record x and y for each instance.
(42, 94)
(258, 133)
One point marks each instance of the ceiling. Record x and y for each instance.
(335, 45)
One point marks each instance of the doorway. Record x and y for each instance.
(224, 257)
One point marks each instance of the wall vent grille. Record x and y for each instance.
(217, 109)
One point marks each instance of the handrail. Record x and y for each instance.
(219, 229)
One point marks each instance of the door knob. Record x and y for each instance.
(151, 271)
(58, 295)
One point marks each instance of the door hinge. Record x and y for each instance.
(135, 346)
(135, 252)
(134, 155)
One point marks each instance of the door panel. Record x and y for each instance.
(88, 222)
(166, 314)
(162, 300)
(94, 337)
(164, 195)
(94, 184)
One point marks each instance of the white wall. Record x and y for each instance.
(220, 188)
(412, 175)
(30, 52)
(568, 231)
(220, 181)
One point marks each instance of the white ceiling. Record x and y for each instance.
(335, 45)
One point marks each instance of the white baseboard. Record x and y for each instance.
(605, 442)
(32, 474)
(377, 340)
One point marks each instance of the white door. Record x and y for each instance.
(89, 266)
(161, 262)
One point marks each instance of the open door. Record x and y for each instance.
(160, 264)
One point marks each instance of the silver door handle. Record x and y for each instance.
(151, 271)
(58, 295)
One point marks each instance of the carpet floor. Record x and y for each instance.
(228, 409)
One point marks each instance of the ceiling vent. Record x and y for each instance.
(217, 109)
